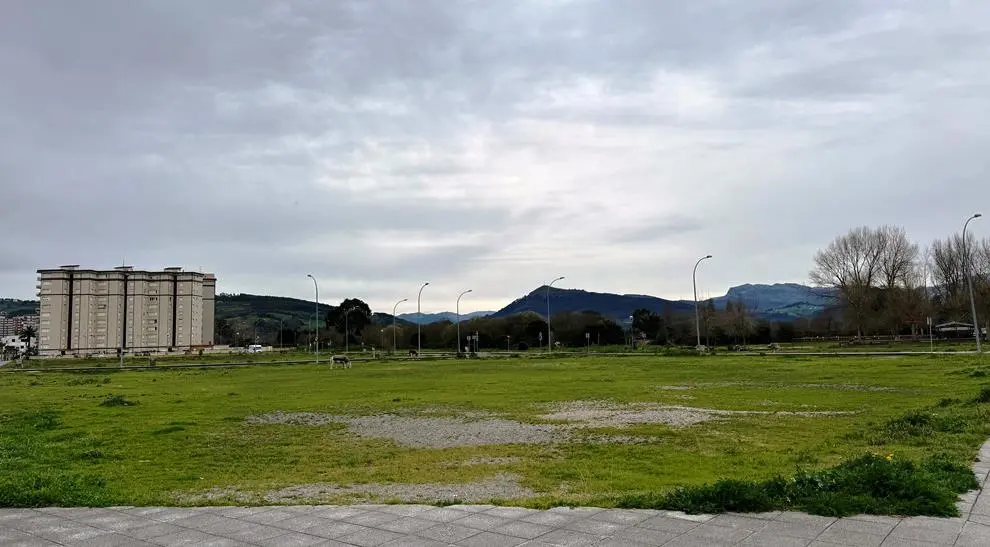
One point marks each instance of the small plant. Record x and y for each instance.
(91, 455)
(984, 396)
(873, 484)
(117, 400)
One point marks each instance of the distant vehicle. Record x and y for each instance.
(254, 348)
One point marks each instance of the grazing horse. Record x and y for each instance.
(413, 353)
(342, 360)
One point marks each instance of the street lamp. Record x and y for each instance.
(458, 311)
(316, 316)
(694, 281)
(395, 307)
(347, 329)
(969, 281)
(419, 320)
(549, 332)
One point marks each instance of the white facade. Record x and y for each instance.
(14, 341)
(86, 312)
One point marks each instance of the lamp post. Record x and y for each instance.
(347, 330)
(694, 281)
(395, 307)
(458, 312)
(316, 286)
(419, 320)
(549, 332)
(969, 282)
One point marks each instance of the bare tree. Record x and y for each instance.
(853, 264)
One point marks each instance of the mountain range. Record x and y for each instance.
(777, 302)
(427, 318)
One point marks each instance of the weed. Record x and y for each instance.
(984, 396)
(978, 374)
(869, 484)
(91, 455)
(942, 403)
(169, 429)
(117, 400)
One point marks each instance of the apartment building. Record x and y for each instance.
(10, 326)
(85, 312)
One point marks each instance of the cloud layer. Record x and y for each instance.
(483, 145)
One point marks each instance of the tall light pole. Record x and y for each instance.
(969, 281)
(419, 320)
(395, 307)
(316, 286)
(549, 335)
(694, 281)
(347, 331)
(458, 312)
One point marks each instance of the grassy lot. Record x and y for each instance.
(146, 437)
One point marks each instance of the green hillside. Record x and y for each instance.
(11, 307)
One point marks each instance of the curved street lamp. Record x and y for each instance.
(969, 281)
(694, 281)
(549, 335)
(317, 317)
(419, 321)
(458, 308)
(395, 307)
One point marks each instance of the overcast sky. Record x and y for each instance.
(490, 145)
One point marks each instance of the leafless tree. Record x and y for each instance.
(853, 264)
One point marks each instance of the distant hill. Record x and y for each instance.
(779, 296)
(246, 310)
(778, 302)
(11, 307)
(615, 306)
(428, 318)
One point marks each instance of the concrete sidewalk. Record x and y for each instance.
(485, 525)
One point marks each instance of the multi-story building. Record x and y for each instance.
(106, 311)
(10, 326)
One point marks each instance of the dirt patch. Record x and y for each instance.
(503, 486)
(490, 461)
(608, 414)
(426, 432)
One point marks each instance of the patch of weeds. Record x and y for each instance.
(984, 396)
(947, 402)
(978, 374)
(53, 488)
(918, 425)
(45, 420)
(88, 381)
(92, 455)
(167, 430)
(117, 400)
(233, 394)
(870, 484)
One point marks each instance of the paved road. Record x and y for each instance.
(486, 525)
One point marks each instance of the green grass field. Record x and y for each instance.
(159, 436)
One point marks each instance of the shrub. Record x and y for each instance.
(117, 400)
(984, 396)
(869, 484)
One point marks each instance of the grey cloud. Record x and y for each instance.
(243, 133)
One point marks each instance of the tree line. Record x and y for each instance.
(888, 284)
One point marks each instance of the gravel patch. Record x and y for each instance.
(490, 461)
(429, 432)
(503, 486)
(608, 414)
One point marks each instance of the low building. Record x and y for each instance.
(86, 312)
(15, 343)
(956, 329)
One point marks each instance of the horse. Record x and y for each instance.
(342, 360)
